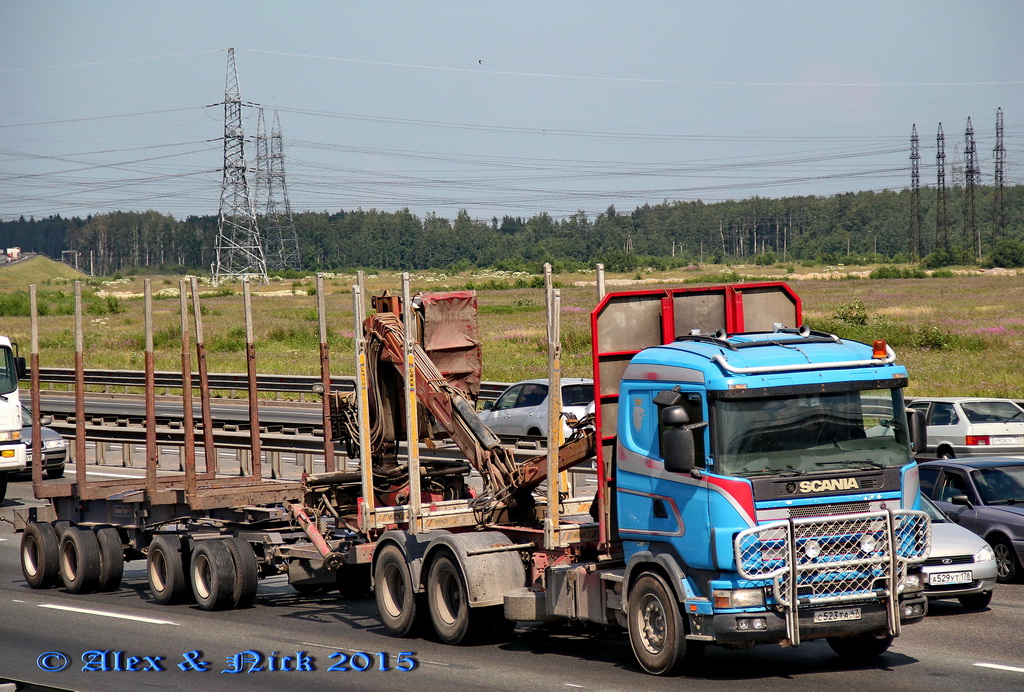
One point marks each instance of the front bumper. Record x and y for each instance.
(727, 628)
(12, 457)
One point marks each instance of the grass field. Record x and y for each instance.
(958, 335)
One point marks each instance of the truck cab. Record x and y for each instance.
(765, 476)
(12, 451)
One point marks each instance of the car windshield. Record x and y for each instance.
(934, 513)
(992, 411)
(1000, 485)
(813, 432)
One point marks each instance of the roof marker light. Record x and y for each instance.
(879, 349)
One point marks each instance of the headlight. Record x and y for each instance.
(985, 554)
(912, 582)
(55, 444)
(738, 598)
(10, 435)
(812, 549)
(868, 543)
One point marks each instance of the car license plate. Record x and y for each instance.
(1008, 440)
(837, 615)
(950, 578)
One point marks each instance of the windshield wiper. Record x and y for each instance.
(873, 464)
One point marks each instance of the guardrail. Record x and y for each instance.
(167, 380)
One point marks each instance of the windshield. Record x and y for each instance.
(8, 373)
(1000, 486)
(992, 411)
(808, 433)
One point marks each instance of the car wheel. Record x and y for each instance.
(1006, 560)
(946, 453)
(976, 601)
(55, 471)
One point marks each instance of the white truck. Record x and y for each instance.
(12, 451)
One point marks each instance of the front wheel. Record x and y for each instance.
(656, 630)
(3, 486)
(1006, 560)
(976, 601)
(861, 648)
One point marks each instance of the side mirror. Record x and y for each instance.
(19, 367)
(488, 405)
(45, 420)
(962, 500)
(918, 430)
(676, 440)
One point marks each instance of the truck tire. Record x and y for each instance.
(861, 648)
(213, 575)
(165, 570)
(398, 604)
(247, 576)
(353, 582)
(448, 599)
(656, 630)
(111, 558)
(79, 560)
(40, 555)
(60, 526)
(3, 486)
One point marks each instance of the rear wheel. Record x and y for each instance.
(861, 648)
(945, 453)
(397, 602)
(40, 551)
(79, 560)
(55, 471)
(1006, 559)
(165, 569)
(212, 575)
(976, 601)
(656, 630)
(454, 621)
(247, 577)
(111, 558)
(354, 581)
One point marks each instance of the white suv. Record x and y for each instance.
(522, 409)
(962, 426)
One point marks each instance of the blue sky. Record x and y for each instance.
(498, 108)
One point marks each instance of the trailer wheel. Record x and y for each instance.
(111, 558)
(247, 577)
(60, 526)
(79, 560)
(40, 555)
(861, 648)
(454, 621)
(213, 575)
(656, 630)
(165, 569)
(398, 604)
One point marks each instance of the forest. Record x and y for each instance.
(851, 228)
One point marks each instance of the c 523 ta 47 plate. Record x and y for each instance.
(837, 615)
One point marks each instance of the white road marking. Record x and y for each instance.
(1012, 669)
(569, 684)
(106, 614)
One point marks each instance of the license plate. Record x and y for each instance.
(837, 615)
(1008, 440)
(951, 578)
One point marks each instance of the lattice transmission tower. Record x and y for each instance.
(941, 219)
(999, 154)
(972, 233)
(916, 241)
(282, 243)
(238, 249)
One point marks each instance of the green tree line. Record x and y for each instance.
(851, 228)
